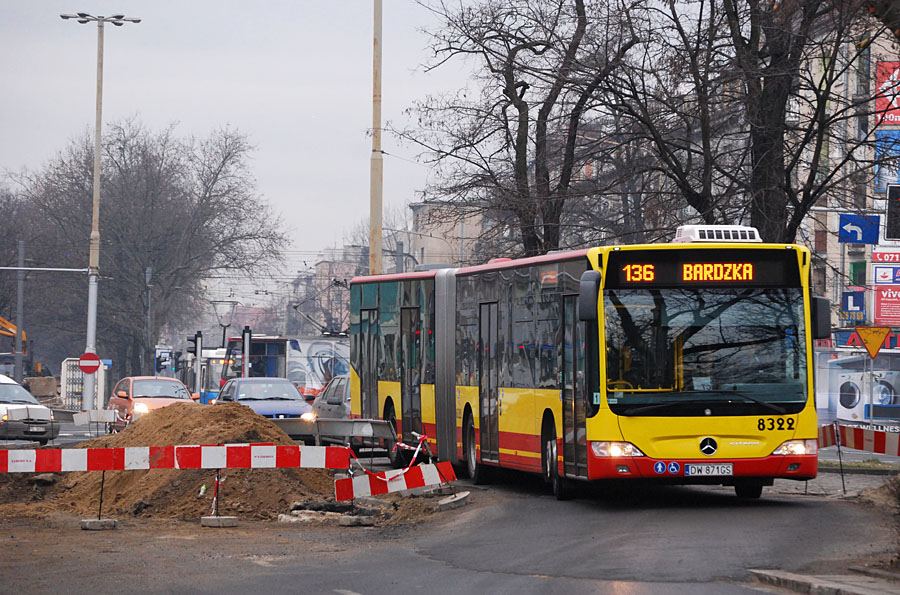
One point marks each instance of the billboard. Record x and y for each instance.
(887, 305)
(887, 101)
(887, 155)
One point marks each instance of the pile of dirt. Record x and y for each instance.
(169, 493)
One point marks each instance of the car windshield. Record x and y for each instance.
(705, 351)
(270, 390)
(164, 389)
(13, 393)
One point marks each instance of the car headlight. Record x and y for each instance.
(309, 416)
(212, 401)
(798, 447)
(5, 417)
(615, 449)
(141, 408)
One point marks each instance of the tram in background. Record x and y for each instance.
(309, 362)
(688, 362)
(210, 369)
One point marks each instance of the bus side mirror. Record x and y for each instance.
(588, 291)
(821, 317)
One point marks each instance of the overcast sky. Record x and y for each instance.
(295, 76)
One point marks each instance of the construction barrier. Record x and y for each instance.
(386, 482)
(228, 456)
(827, 436)
(877, 441)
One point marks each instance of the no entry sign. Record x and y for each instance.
(89, 363)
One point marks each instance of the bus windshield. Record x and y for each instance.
(705, 351)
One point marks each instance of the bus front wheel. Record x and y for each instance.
(748, 490)
(560, 485)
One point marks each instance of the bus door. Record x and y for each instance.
(368, 373)
(410, 372)
(489, 429)
(572, 376)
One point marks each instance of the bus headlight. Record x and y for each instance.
(615, 449)
(798, 447)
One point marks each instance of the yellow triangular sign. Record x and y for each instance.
(873, 337)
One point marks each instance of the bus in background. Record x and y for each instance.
(687, 363)
(309, 362)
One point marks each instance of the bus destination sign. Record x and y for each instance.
(682, 268)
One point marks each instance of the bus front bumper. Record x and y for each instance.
(720, 471)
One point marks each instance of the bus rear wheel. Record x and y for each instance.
(395, 452)
(748, 490)
(477, 472)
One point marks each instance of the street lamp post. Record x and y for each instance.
(224, 310)
(94, 263)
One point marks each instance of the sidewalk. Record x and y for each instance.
(857, 478)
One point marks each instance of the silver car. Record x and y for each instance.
(334, 401)
(22, 417)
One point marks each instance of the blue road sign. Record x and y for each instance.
(859, 229)
(853, 306)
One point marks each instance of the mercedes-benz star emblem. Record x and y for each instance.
(708, 446)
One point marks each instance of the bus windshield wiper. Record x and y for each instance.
(743, 395)
(652, 407)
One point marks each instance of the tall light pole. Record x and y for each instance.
(94, 263)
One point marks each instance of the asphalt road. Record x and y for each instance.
(512, 538)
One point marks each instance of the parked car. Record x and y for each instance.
(135, 396)
(275, 398)
(22, 417)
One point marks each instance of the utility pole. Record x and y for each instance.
(20, 312)
(376, 174)
(148, 276)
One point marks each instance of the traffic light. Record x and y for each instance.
(892, 213)
(160, 364)
(197, 347)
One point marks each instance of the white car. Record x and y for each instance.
(22, 417)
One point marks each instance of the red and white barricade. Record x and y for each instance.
(386, 482)
(228, 456)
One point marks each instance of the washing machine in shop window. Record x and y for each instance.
(852, 399)
(885, 387)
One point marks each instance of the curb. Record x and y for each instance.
(859, 471)
(823, 585)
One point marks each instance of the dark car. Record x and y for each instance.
(275, 398)
(22, 417)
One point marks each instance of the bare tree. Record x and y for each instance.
(514, 145)
(753, 111)
(182, 209)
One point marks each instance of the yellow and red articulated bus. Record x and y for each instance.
(688, 362)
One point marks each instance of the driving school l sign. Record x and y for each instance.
(89, 363)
